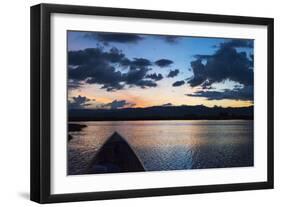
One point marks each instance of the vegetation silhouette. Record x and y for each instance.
(184, 112)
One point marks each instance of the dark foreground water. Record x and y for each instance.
(169, 145)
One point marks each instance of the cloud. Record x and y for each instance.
(163, 63)
(98, 72)
(170, 39)
(154, 76)
(136, 76)
(96, 66)
(178, 83)
(79, 102)
(88, 55)
(173, 73)
(146, 83)
(244, 94)
(73, 84)
(114, 37)
(199, 73)
(225, 64)
(108, 37)
(242, 43)
(118, 104)
(139, 63)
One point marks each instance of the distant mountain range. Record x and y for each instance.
(161, 113)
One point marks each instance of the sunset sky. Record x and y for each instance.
(119, 70)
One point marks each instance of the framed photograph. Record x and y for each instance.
(132, 103)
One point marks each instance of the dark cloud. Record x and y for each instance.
(96, 66)
(118, 104)
(202, 57)
(226, 64)
(238, 43)
(135, 63)
(114, 55)
(98, 72)
(199, 73)
(244, 93)
(146, 83)
(163, 63)
(170, 39)
(107, 37)
(173, 73)
(139, 63)
(82, 57)
(206, 86)
(137, 77)
(178, 83)
(72, 84)
(114, 37)
(78, 102)
(154, 76)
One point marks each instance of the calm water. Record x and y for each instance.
(169, 145)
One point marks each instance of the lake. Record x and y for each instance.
(169, 145)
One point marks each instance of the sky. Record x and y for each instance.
(121, 70)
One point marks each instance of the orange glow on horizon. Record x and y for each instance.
(142, 98)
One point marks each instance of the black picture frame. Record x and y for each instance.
(41, 102)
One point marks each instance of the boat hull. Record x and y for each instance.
(115, 156)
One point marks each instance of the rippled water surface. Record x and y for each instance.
(169, 145)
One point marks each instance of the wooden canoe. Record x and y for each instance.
(115, 156)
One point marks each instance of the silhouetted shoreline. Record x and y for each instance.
(75, 128)
(162, 113)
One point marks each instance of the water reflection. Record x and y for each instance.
(169, 145)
